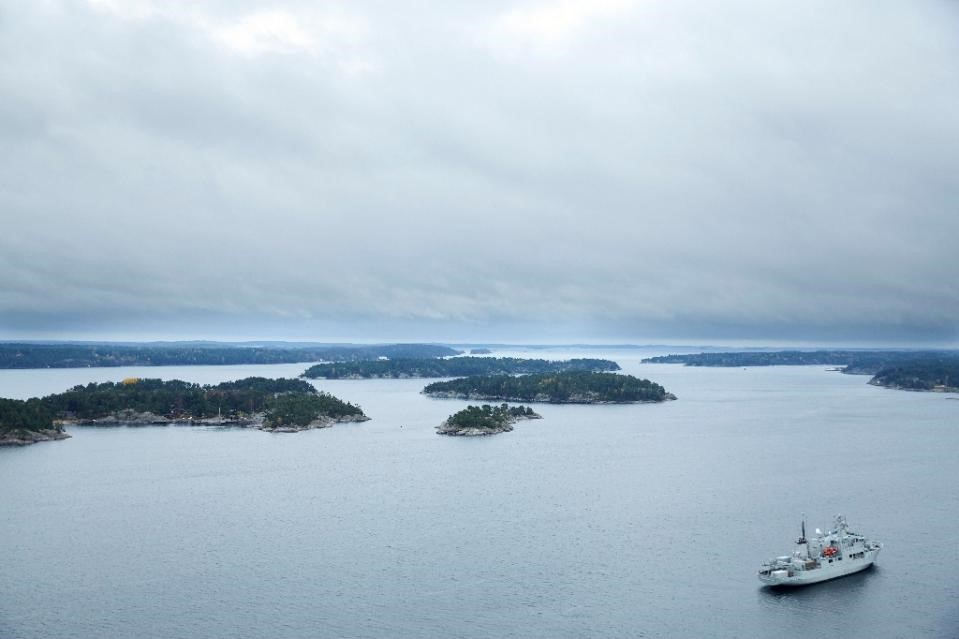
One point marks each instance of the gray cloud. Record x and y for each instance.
(613, 169)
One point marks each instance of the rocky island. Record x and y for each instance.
(274, 405)
(404, 368)
(485, 420)
(571, 387)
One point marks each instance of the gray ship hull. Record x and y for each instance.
(838, 568)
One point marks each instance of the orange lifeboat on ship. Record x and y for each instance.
(829, 551)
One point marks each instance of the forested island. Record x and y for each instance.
(857, 362)
(485, 420)
(926, 375)
(277, 405)
(30, 355)
(453, 367)
(570, 387)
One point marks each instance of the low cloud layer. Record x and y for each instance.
(556, 170)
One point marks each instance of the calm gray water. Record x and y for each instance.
(597, 521)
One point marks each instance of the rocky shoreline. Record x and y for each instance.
(541, 398)
(468, 431)
(934, 389)
(320, 422)
(255, 420)
(21, 437)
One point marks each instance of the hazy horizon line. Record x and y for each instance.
(504, 344)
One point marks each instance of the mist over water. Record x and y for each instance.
(603, 521)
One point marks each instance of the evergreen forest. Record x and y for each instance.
(489, 417)
(284, 401)
(575, 387)
(452, 367)
(30, 355)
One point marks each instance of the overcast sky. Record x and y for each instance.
(532, 171)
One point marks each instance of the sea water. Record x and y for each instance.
(645, 520)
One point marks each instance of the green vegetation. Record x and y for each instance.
(27, 422)
(99, 355)
(453, 367)
(283, 402)
(488, 417)
(573, 387)
(853, 361)
(300, 409)
(174, 399)
(930, 374)
(31, 415)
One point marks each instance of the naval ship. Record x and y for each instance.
(828, 555)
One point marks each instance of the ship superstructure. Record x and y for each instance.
(827, 555)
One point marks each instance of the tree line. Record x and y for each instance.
(860, 362)
(453, 367)
(566, 387)
(928, 374)
(488, 417)
(288, 401)
(103, 355)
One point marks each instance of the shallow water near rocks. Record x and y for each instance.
(599, 521)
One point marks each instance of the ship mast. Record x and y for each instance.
(841, 534)
(802, 539)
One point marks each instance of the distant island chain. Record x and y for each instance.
(291, 405)
(904, 370)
